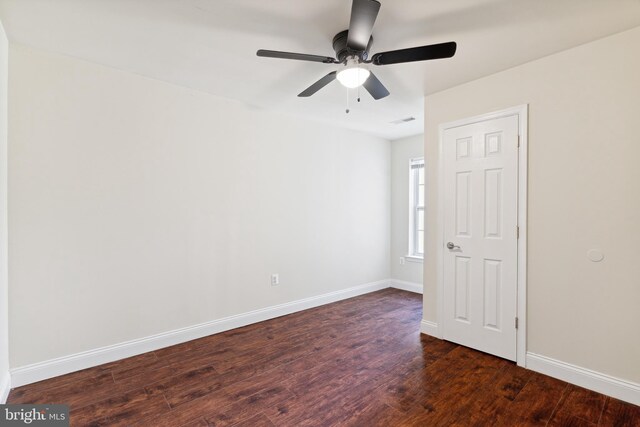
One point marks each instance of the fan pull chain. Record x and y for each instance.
(347, 111)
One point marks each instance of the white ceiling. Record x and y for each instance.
(210, 45)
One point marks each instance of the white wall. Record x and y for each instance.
(402, 150)
(4, 292)
(137, 207)
(584, 193)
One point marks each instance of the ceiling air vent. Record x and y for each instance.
(405, 120)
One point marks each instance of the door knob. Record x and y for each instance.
(450, 245)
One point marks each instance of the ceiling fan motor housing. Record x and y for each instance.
(343, 52)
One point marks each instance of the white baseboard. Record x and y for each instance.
(407, 286)
(602, 383)
(429, 328)
(75, 362)
(5, 386)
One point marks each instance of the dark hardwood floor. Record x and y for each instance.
(358, 362)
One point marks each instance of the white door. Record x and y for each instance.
(480, 235)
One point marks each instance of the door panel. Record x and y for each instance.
(492, 203)
(480, 220)
(492, 293)
(463, 204)
(462, 288)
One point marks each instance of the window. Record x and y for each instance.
(416, 208)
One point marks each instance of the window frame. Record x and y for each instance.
(415, 164)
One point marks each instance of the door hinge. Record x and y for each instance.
(516, 323)
(517, 231)
(518, 141)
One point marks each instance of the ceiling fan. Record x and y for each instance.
(352, 51)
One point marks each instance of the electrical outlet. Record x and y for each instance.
(401, 260)
(275, 279)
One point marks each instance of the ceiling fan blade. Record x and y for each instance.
(375, 87)
(422, 53)
(298, 56)
(363, 16)
(318, 85)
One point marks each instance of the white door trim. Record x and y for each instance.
(522, 112)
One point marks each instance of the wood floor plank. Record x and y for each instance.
(259, 420)
(248, 407)
(188, 386)
(375, 414)
(358, 362)
(566, 420)
(64, 385)
(535, 404)
(462, 389)
(121, 410)
(191, 411)
(264, 380)
(145, 378)
(200, 422)
(406, 394)
(311, 409)
(86, 390)
(494, 398)
(620, 414)
(133, 366)
(578, 404)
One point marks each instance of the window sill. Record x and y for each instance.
(413, 258)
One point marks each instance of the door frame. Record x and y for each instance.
(522, 112)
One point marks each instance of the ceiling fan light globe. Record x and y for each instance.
(353, 77)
